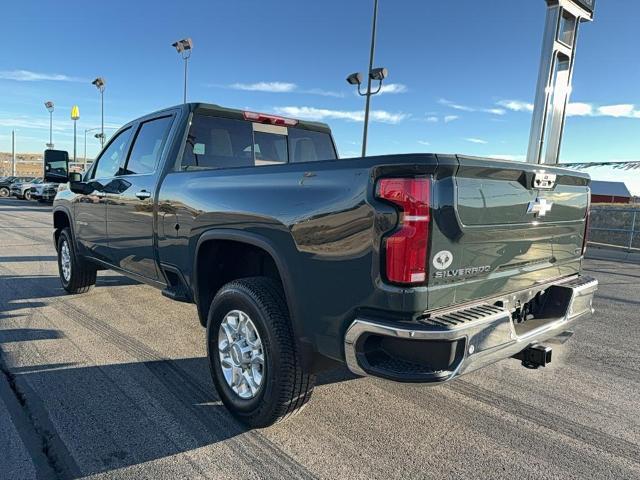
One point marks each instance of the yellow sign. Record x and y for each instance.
(75, 112)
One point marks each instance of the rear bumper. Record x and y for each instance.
(445, 345)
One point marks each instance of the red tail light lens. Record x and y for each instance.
(406, 248)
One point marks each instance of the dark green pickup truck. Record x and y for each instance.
(415, 268)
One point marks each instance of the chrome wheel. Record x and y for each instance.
(65, 261)
(241, 354)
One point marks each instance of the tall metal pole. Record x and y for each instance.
(371, 54)
(186, 61)
(13, 153)
(74, 140)
(101, 119)
(51, 127)
(85, 149)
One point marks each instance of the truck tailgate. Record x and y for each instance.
(487, 241)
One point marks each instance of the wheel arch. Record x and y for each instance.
(267, 246)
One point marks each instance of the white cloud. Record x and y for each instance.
(476, 140)
(579, 109)
(278, 87)
(274, 87)
(28, 76)
(455, 106)
(432, 119)
(622, 110)
(450, 118)
(312, 113)
(466, 108)
(516, 105)
(394, 88)
(424, 142)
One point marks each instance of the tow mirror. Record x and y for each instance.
(56, 166)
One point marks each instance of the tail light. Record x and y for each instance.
(406, 248)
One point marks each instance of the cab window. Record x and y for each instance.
(147, 146)
(112, 157)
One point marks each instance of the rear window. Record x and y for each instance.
(215, 142)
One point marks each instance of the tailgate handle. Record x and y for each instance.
(143, 194)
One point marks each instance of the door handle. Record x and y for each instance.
(100, 194)
(143, 194)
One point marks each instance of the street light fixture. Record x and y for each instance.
(184, 48)
(378, 74)
(100, 85)
(50, 107)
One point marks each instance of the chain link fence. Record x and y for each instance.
(615, 227)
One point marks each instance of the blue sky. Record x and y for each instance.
(462, 74)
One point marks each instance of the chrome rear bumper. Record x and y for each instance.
(466, 339)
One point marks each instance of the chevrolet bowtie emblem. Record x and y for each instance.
(539, 207)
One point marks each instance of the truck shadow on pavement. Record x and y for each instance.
(106, 417)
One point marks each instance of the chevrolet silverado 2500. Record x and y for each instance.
(414, 268)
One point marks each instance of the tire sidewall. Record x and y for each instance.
(27, 195)
(4, 192)
(234, 298)
(66, 237)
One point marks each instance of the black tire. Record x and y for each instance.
(285, 386)
(82, 275)
(27, 195)
(4, 192)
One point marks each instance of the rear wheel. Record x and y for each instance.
(76, 274)
(4, 192)
(252, 354)
(27, 195)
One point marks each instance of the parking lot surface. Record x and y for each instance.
(114, 384)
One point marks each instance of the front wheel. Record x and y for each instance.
(252, 353)
(76, 274)
(27, 195)
(4, 192)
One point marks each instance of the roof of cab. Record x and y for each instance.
(218, 110)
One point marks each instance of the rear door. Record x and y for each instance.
(91, 209)
(505, 232)
(130, 209)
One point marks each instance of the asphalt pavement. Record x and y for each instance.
(114, 384)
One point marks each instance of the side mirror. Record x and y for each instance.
(83, 188)
(75, 177)
(56, 166)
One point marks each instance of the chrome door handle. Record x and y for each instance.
(143, 194)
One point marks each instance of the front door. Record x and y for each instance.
(130, 209)
(91, 210)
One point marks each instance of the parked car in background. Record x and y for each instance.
(44, 192)
(6, 182)
(22, 190)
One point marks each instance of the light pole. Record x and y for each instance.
(50, 107)
(99, 136)
(100, 83)
(374, 74)
(75, 115)
(13, 153)
(184, 47)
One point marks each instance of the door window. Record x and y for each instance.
(112, 157)
(215, 142)
(147, 146)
